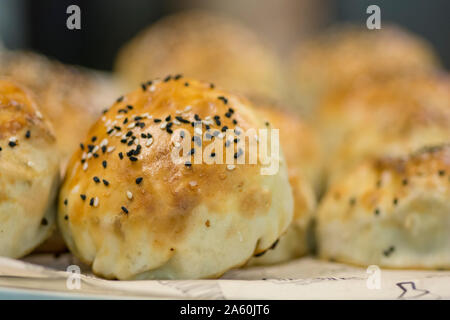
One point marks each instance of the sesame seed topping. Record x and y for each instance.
(28, 134)
(129, 195)
(231, 167)
(104, 164)
(83, 197)
(96, 179)
(139, 180)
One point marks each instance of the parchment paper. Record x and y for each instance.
(306, 278)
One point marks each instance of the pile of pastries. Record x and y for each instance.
(360, 120)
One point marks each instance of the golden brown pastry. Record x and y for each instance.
(29, 173)
(390, 212)
(347, 55)
(206, 46)
(71, 98)
(393, 117)
(131, 209)
(303, 156)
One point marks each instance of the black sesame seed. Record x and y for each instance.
(395, 201)
(110, 131)
(44, 222)
(168, 118)
(133, 159)
(192, 151)
(65, 202)
(106, 182)
(120, 155)
(95, 155)
(224, 128)
(125, 210)
(82, 146)
(156, 120)
(96, 179)
(125, 121)
(117, 128)
(94, 138)
(104, 164)
(441, 173)
(231, 110)
(225, 100)
(119, 99)
(12, 144)
(235, 121)
(28, 134)
(377, 212)
(169, 131)
(104, 149)
(166, 79)
(186, 84)
(83, 197)
(178, 76)
(228, 115)
(188, 164)
(66, 217)
(91, 202)
(213, 154)
(129, 134)
(143, 86)
(212, 86)
(139, 180)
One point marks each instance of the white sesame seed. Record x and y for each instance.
(193, 183)
(119, 116)
(163, 125)
(220, 135)
(136, 141)
(30, 164)
(85, 166)
(188, 108)
(83, 156)
(149, 142)
(118, 134)
(13, 139)
(104, 142)
(39, 115)
(176, 122)
(178, 112)
(110, 149)
(131, 125)
(103, 118)
(198, 131)
(89, 155)
(176, 144)
(96, 202)
(231, 167)
(129, 195)
(152, 88)
(95, 149)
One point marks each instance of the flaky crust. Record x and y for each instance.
(392, 212)
(346, 55)
(154, 218)
(72, 98)
(303, 156)
(29, 173)
(205, 46)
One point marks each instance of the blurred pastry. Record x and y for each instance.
(133, 207)
(303, 157)
(349, 54)
(390, 212)
(394, 117)
(206, 46)
(29, 173)
(72, 98)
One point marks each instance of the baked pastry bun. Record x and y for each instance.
(349, 54)
(393, 118)
(205, 46)
(390, 212)
(29, 173)
(133, 210)
(72, 98)
(303, 157)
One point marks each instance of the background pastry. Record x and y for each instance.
(390, 212)
(303, 157)
(347, 55)
(133, 213)
(394, 117)
(206, 46)
(29, 173)
(72, 98)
